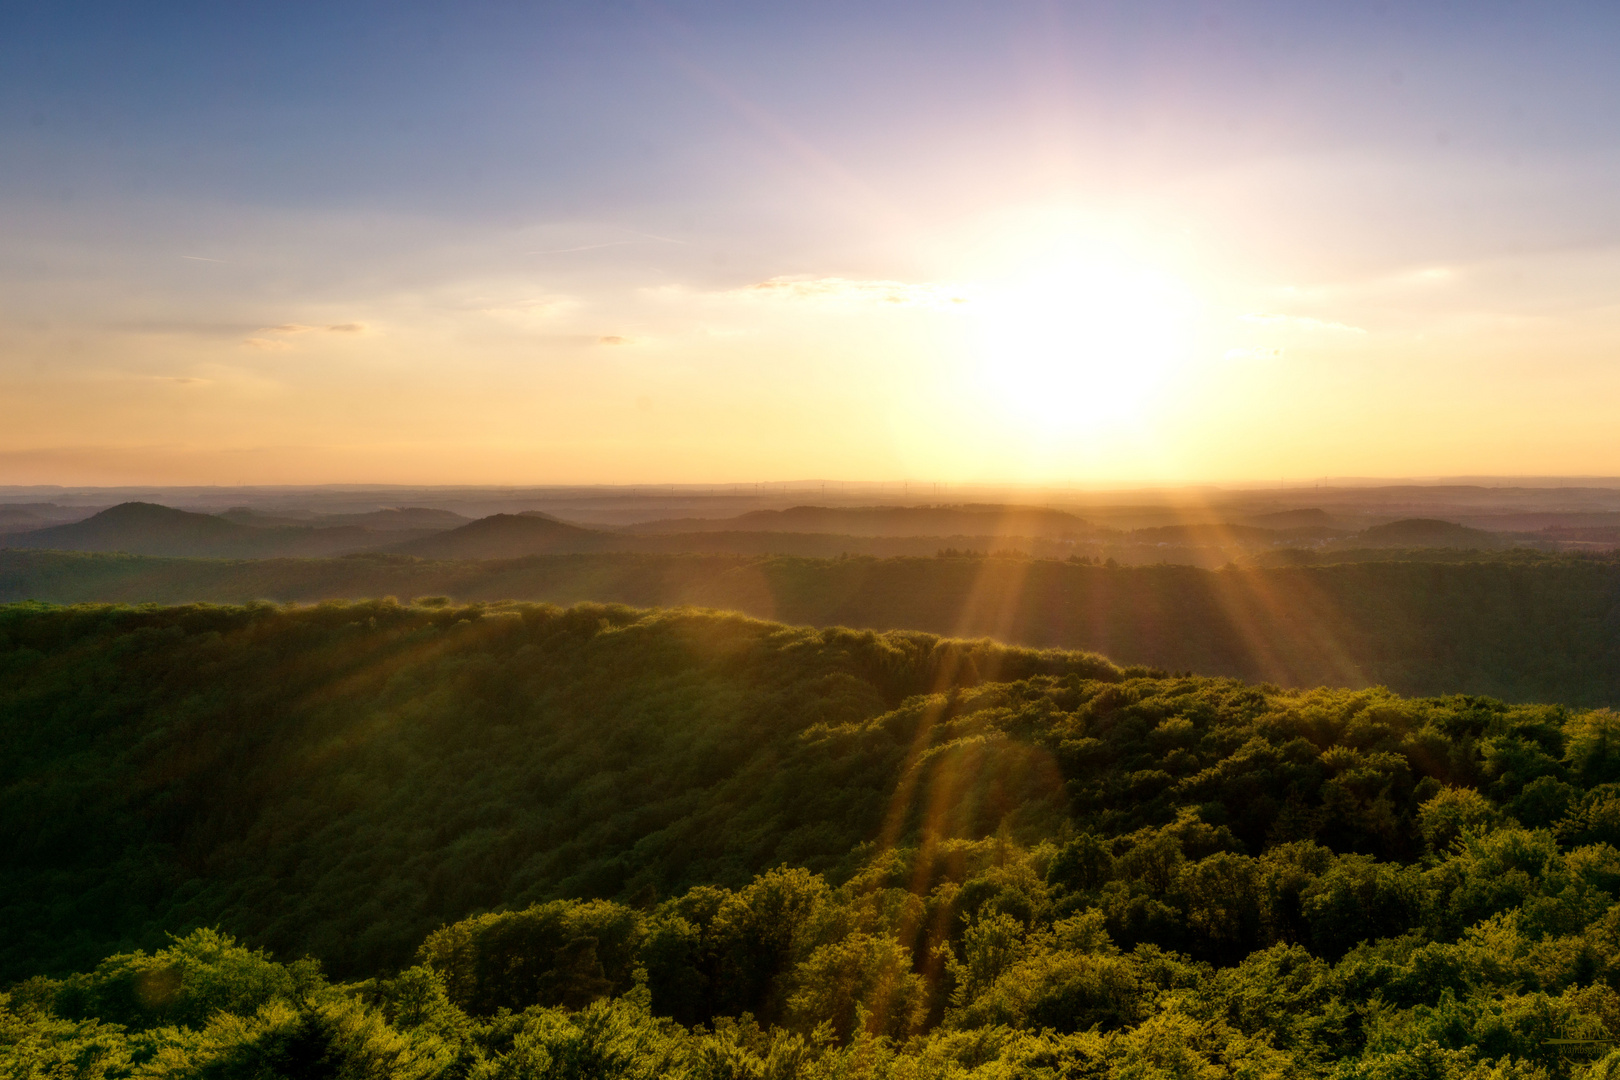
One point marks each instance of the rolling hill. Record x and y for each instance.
(603, 842)
(1427, 532)
(512, 536)
(508, 536)
(149, 529)
(142, 529)
(1520, 626)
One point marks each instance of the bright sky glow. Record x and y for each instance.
(597, 242)
(1082, 345)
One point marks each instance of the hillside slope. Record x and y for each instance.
(1427, 532)
(995, 859)
(508, 536)
(149, 529)
(1521, 628)
(342, 779)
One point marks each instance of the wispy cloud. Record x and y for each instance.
(286, 330)
(300, 328)
(850, 291)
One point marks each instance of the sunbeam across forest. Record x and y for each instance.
(923, 540)
(441, 840)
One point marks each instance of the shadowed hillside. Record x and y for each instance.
(508, 536)
(148, 529)
(1425, 532)
(343, 779)
(1520, 627)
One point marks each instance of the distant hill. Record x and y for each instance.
(514, 536)
(508, 536)
(1428, 532)
(141, 528)
(967, 520)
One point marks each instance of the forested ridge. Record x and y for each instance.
(517, 840)
(1518, 626)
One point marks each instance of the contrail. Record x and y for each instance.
(199, 258)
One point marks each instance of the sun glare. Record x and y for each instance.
(1081, 345)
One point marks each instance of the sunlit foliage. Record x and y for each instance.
(598, 842)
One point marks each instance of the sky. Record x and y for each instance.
(631, 242)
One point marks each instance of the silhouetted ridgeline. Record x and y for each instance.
(1523, 629)
(552, 841)
(149, 529)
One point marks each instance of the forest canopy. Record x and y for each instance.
(1512, 625)
(378, 839)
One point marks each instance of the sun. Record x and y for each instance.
(1078, 344)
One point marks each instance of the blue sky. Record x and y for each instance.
(509, 242)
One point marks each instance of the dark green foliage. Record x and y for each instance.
(340, 780)
(559, 953)
(1519, 627)
(600, 842)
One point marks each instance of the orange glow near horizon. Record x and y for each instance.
(1077, 243)
(1046, 346)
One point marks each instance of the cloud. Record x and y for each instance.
(292, 329)
(848, 291)
(1302, 322)
(613, 339)
(300, 328)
